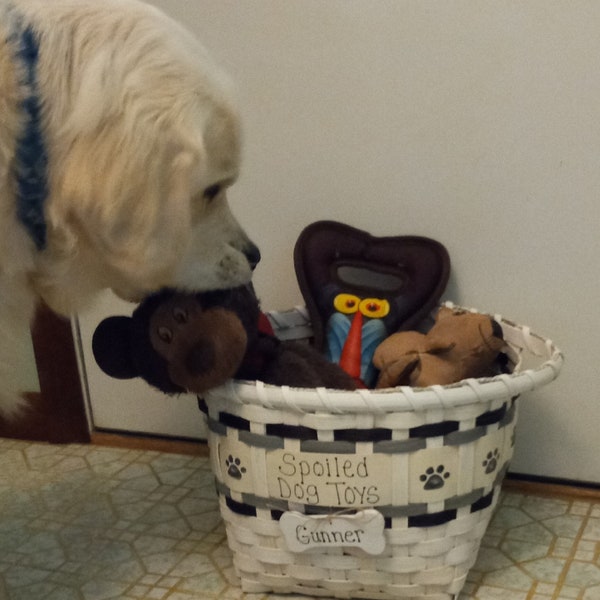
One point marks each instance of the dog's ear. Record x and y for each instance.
(111, 346)
(126, 198)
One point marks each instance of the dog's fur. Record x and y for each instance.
(142, 139)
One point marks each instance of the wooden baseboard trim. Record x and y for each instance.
(540, 488)
(156, 444)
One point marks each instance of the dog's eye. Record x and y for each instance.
(211, 192)
(180, 314)
(165, 334)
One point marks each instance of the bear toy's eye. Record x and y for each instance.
(180, 315)
(165, 334)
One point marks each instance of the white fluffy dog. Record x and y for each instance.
(118, 140)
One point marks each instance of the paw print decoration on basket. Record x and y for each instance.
(380, 494)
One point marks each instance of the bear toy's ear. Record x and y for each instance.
(111, 345)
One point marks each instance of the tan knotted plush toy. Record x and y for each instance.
(460, 345)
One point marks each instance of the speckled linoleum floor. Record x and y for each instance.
(95, 523)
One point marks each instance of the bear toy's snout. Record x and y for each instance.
(200, 358)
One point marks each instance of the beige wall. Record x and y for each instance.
(476, 123)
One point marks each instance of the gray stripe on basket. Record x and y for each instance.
(222, 489)
(464, 437)
(510, 415)
(464, 499)
(399, 446)
(265, 503)
(328, 447)
(257, 440)
(254, 500)
(216, 426)
(409, 510)
(388, 511)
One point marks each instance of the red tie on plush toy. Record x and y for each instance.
(351, 356)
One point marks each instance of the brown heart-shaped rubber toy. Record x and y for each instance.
(395, 280)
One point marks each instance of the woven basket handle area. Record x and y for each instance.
(539, 362)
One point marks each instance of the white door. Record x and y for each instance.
(131, 405)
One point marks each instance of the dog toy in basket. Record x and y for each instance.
(359, 289)
(461, 344)
(181, 342)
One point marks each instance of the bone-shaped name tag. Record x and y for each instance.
(363, 529)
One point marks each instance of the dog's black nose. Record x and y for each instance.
(252, 254)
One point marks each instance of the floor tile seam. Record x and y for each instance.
(532, 590)
(557, 536)
(135, 554)
(127, 462)
(570, 559)
(521, 565)
(129, 585)
(502, 539)
(221, 570)
(26, 460)
(173, 589)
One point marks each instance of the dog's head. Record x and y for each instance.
(143, 142)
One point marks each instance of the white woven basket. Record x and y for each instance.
(430, 460)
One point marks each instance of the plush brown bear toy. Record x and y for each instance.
(184, 342)
(460, 345)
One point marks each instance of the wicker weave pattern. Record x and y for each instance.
(428, 563)
(430, 461)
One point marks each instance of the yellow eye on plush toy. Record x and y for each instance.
(375, 308)
(347, 304)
